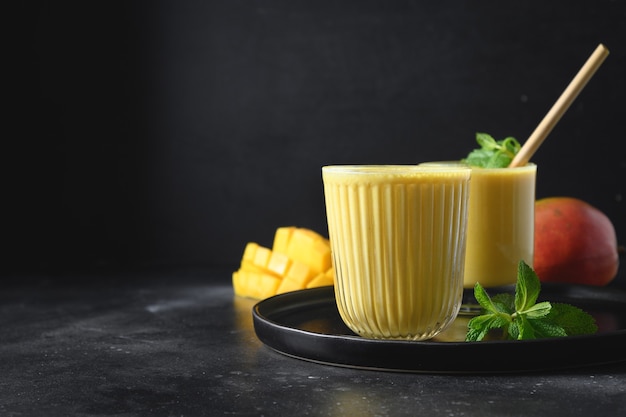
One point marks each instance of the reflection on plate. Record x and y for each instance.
(306, 324)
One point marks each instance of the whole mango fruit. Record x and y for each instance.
(574, 242)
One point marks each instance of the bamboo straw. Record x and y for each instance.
(560, 106)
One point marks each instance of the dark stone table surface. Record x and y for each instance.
(180, 344)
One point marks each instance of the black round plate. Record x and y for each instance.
(306, 324)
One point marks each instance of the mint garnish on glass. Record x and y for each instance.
(492, 153)
(520, 316)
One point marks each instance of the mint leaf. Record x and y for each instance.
(521, 317)
(545, 328)
(527, 287)
(486, 141)
(492, 153)
(538, 310)
(526, 330)
(513, 331)
(483, 298)
(505, 302)
(479, 326)
(573, 320)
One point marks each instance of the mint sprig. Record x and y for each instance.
(492, 153)
(520, 316)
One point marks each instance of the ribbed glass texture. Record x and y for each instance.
(398, 240)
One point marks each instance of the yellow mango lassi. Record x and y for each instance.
(398, 236)
(501, 223)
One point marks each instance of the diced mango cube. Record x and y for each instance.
(249, 252)
(255, 258)
(255, 284)
(281, 239)
(326, 278)
(300, 273)
(287, 285)
(305, 246)
(279, 263)
(262, 256)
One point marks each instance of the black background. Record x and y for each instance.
(170, 133)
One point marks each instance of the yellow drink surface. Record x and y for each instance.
(501, 225)
(397, 235)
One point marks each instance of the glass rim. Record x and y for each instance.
(451, 163)
(365, 169)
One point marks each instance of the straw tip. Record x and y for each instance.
(603, 48)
